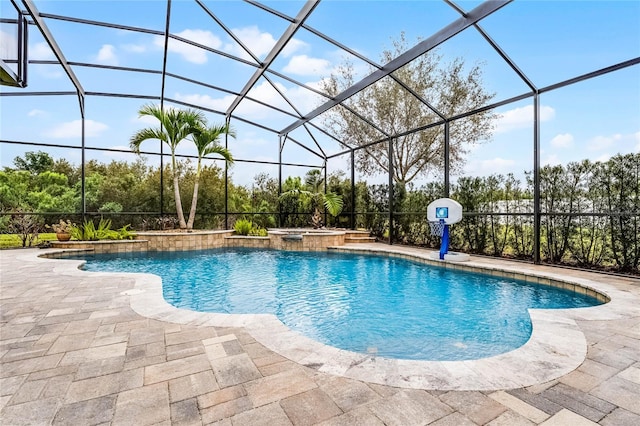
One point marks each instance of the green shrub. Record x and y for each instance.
(88, 231)
(256, 231)
(125, 233)
(243, 226)
(111, 207)
(247, 227)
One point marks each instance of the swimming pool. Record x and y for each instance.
(369, 304)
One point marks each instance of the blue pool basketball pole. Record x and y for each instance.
(444, 246)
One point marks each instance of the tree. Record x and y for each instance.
(207, 142)
(14, 189)
(261, 199)
(34, 162)
(558, 194)
(64, 167)
(46, 192)
(449, 88)
(26, 226)
(311, 192)
(313, 179)
(264, 188)
(588, 243)
(175, 126)
(619, 179)
(51, 193)
(471, 192)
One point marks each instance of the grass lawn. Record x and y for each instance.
(13, 240)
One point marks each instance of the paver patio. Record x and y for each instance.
(73, 351)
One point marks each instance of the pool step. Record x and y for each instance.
(351, 240)
(352, 237)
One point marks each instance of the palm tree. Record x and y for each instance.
(331, 201)
(313, 179)
(175, 125)
(207, 143)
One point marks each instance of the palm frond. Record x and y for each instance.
(143, 135)
(222, 152)
(206, 140)
(333, 203)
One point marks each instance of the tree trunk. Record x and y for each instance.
(176, 192)
(194, 203)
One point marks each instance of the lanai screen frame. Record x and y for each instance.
(467, 19)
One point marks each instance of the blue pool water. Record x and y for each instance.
(370, 304)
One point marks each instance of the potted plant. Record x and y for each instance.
(62, 230)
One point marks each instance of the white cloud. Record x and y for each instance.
(263, 92)
(107, 55)
(304, 99)
(191, 53)
(36, 113)
(304, 65)
(522, 117)
(497, 164)
(600, 143)
(40, 51)
(260, 43)
(8, 45)
(134, 48)
(489, 166)
(73, 129)
(9, 48)
(636, 135)
(551, 160)
(266, 93)
(294, 46)
(204, 37)
(218, 104)
(563, 140)
(94, 128)
(603, 158)
(145, 120)
(37, 51)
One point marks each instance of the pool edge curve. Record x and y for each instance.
(556, 347)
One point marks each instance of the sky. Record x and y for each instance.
(550, 41)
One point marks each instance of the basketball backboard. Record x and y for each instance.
(444, 209)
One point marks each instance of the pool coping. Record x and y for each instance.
(556, 347)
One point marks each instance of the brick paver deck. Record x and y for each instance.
(74, 352)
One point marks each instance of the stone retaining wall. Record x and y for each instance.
(184, 241)
(306, 241)
(104, 246)
(202, 240)
(248, 242)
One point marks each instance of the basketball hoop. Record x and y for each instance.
(437, 228)
(441, 214)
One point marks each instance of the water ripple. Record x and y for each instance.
(370, 304)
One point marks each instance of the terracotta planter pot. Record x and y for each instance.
(63, 236)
